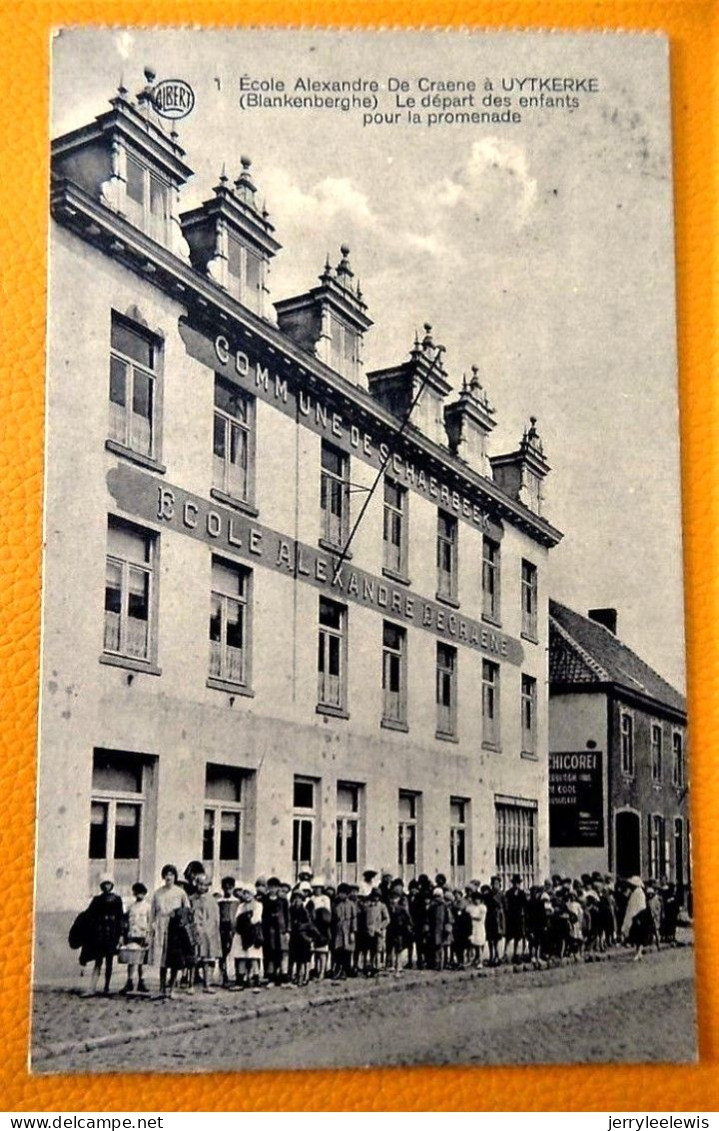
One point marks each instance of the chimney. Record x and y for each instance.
(607, 617)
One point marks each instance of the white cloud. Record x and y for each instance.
(325, 201)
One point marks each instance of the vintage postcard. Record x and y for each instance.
(363, 730)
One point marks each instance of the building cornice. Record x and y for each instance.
(111, 233)
(621, 694)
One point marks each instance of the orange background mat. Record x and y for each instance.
(25, 26)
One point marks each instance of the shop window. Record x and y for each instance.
(515, 822)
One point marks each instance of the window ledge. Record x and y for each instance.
(236, 504)
(494, 621)
(530, 637)
(232, 688)
(335, 712)
(494, 746)
(451, 601)
(393, 575)
(529, 756)
(119, 449)
(337, 551)
(626, 776)
(130, 664)
(394, 724)
(443, 736)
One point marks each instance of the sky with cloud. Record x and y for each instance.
(541, 251)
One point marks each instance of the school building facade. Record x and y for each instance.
(235, 668)
(618, 756)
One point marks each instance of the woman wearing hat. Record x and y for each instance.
(104, 922)
(635, 928)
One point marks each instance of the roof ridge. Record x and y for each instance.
(593, 664)
(624, 646)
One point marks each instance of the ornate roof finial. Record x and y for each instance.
(145, 96)
(532, 438)
(474, 383)
(427, 342)
(223, 175)
(344, 271)
(244, 184)
(150, 74)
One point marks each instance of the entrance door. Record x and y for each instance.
(628, 844)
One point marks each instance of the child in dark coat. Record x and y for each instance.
(104, 921)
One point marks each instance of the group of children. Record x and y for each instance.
(275, 933)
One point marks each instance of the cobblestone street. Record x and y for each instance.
(616, 1010)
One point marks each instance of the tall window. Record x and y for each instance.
(490, 580)
(128, 590)
(331, 656)
(347, 840)
(133, 376)
(516, 839)
(408, 838)
(229, 627)
(491, 730)
(245, 271)
(147, 200)
(656, 745)
(304, 817)
(678, 759)
(458, 809)
(394, 673)
(529, 600)
(657, 854)
(233, 442)
(446, 689)
(529, 714)
(394, 530)
(344, 352)
(334, 496)
(446, 556)
(626, 728)
(120, 784)
(223, 820)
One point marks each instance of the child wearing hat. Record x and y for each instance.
(246, 949)
(137, 935)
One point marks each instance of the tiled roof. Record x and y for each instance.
(583, 651)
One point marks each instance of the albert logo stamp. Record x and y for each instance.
(173, 98)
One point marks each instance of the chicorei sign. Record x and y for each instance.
(143, 497)
(282, 389)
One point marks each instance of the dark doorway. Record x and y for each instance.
(628, 844)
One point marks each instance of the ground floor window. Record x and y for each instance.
(409, 835)
(305, 799)
(119, 816)
(458, 812)
(348, 831)
(223, 825)
(515, 839)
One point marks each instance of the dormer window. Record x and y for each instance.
(148, 200)
(344, 353)
(244, 270)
